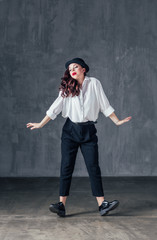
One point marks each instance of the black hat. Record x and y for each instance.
(79, 61)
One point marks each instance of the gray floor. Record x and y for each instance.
(24, 212)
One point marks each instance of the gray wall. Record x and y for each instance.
(118, 39)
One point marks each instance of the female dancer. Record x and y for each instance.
(80, 99)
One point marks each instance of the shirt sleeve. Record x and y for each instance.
(56, 107)
(104, 104)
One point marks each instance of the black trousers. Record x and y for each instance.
(83, 136)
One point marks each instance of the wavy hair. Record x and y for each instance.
(69, 85)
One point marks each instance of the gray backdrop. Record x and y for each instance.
(118, 39)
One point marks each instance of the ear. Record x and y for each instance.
(84, 70)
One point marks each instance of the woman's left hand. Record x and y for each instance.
(120, 122)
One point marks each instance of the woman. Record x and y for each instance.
(80, 99)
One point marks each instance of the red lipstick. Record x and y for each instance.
(73, 73)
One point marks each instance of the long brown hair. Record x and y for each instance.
(69, 85)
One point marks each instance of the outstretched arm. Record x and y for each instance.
(45, 120)
(51, 113)
(118, 122)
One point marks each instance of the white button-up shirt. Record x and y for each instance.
(84, 107)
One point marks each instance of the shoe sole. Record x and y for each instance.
(59, 212)
(106, 211)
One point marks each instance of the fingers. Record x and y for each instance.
(128, 118)
(30, 125)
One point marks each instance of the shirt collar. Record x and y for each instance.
(86, 78)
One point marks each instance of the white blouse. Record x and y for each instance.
(84, 107)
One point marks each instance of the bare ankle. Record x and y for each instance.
(100, 200)
(63, 199)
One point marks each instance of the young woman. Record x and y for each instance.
(80, 99)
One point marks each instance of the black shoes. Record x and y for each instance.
(106, 206)
(58, 208)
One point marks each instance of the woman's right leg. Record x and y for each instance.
(69, 149)
(63, 199)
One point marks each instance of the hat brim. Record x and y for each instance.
(84, 65)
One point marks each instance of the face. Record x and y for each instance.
(76, 70)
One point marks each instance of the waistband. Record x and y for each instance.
(84, 123)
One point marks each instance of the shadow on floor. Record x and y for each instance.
(141, 208)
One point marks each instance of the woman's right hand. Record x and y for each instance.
(33, 125)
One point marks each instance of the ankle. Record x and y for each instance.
(63, 199)
(100, 200)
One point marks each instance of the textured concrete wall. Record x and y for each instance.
(118, 39)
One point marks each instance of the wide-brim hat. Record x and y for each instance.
(79, 61)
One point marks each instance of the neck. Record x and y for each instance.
(81, 79)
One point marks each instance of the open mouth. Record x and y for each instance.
(74, 73)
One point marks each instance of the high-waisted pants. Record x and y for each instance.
(84, 136)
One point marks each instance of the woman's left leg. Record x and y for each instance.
(89, 151)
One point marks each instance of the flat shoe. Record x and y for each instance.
(106, 206)
(58, 208)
